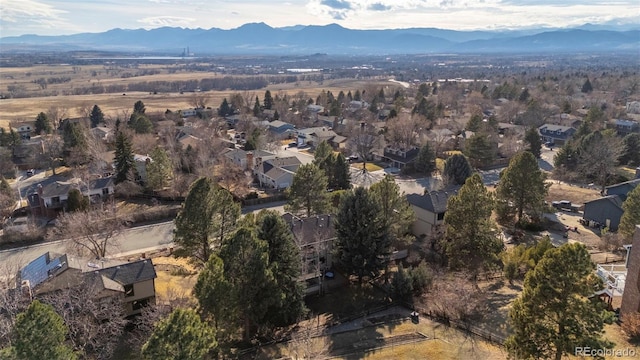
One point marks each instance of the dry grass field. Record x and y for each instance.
(114, 104)
(575, 194)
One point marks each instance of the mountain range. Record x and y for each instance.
(259, 38)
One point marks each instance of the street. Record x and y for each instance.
(131, 241)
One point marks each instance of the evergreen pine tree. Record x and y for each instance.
(362, 242)
(124, 161)
(43, 125)
(96, 117)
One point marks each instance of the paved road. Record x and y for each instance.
(130, 241)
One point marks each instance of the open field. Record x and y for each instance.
(113, 104)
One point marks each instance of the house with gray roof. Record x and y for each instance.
(315, 135)
(138, 283)
(51, 197)
(133, 283)
(556, 134)
(626, 127)
(277, 173)
(429, 209)
(279, 129)
(622, 189)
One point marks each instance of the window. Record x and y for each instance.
(128, 290)
(440, 216)
(139, 304)
(105, 191)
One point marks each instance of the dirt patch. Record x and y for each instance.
(575, 194)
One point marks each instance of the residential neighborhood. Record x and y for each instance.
(365, 211)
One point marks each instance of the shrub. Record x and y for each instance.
(422, 277)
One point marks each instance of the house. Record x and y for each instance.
(429, 209)
(51, 198)
(25, 130)
(622, 189)
(507, 129)
(327, 121)
(631, 296)
(565, 120)
(248, 159)
(556, 134)
(626, 127)
(102, 133)
(189, 112)
(606, 211)
(189, 140)
(315, 135)
(315, 109)
(50, 272)
(138, 283)
(314, 236)
(107, 163)
(279, 129)
(400, 157)
(132, 282)
(276, 173)
(356, 105)
(633, 107)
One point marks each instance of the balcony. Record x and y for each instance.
(614, 277)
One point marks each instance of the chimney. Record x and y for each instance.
(249, 161)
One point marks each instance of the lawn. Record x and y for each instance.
(369, 166)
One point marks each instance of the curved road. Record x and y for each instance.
(130, 241)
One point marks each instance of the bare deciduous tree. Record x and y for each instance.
(144, 143)
(52, 146)
(199, 100)
(95, 324)
(90, 233)
(599, 156)
(307, 342)
(404, 130)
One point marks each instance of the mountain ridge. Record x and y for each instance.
(260, 38)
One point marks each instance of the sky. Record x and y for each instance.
(59, 17)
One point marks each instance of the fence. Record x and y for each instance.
(461, 325)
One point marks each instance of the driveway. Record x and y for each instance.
(546, 158)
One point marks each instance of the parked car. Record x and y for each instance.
(562, 205)
(293, 144)
(352, 158)
(31, 172)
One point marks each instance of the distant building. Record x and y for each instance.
(399, 157)
(626, 127)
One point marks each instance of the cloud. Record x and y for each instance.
(157, 21)
(378, 7)
(28, 10)
(337, 4)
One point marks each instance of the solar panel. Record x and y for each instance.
(40, 269)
